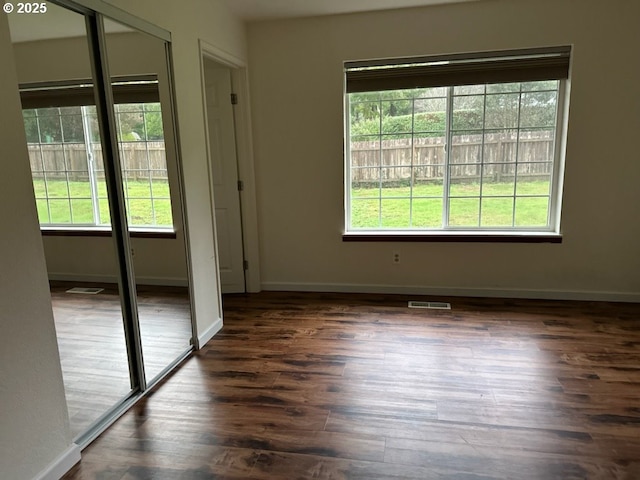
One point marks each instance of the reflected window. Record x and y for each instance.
(66, 156)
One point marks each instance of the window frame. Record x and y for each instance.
(447, 233)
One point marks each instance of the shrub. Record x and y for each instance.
(431, 124)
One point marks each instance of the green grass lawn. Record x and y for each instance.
(71, 203)
(391, 208)
(370, 207)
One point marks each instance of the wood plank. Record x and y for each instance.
(338, 386)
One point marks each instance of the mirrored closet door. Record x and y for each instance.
(98, 114)
(138, 64)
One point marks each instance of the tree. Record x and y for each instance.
(494, 106)
(54, 125)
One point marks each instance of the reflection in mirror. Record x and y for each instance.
(65, 151)
(66, 155)
(148, 154)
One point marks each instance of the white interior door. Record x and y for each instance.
(224, 171)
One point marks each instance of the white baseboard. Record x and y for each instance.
(454, 291)
(158, 281)
(61, 465)
(209, 333)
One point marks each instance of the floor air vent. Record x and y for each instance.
(85, 290)
(431, 305)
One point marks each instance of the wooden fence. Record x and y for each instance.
(399, 161)
(389, 161)
(69, 160)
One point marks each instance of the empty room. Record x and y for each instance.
(263, 240)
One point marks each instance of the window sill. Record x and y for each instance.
(450, 237)
(104, 232)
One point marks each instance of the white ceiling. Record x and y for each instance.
(253, 10)
(61, 23)
(57, 23)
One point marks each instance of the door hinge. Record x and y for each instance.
(234, 99)
(245, 265)
(240, 185)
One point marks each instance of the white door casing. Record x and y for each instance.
(224, 176)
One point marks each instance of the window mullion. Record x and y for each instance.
(149, 171)
(413, 152)
(93, 183)
(44, 168)
(66, 165)
(447, 156)
(348, 184)
(515, 168)
(484, 126)
(380, 113)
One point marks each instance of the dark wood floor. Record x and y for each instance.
(92, 349)
(310, 386)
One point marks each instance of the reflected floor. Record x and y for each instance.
(91, 342)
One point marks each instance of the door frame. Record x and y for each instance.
(244, 152)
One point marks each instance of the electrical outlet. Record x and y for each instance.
(396, 257)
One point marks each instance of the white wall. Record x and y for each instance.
(34, 426)
(296, 79)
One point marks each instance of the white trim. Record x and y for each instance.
(561, 151)
(214, 228)
(219, 55)
(244, 153)
(246, 170)
(209, 333)
(541, 294)
(61, 465)
(140, 280)
(517, 233)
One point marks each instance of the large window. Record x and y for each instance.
(458, 144)
(67, 165)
